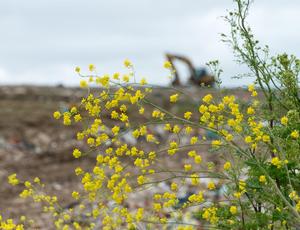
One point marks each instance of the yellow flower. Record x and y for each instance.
(76, 153)
(77, 117)
(174, 98)
(12, 179)
(187, 115)
(37, 180)
(125, 78)
(196, 198)
(167, 65)
(233, 210)
(141, 110)
(139, 214)
(254, 94)
(251, 88)
(276, 162)
(141, 180)
(77, 69)
(150, 138)
(83, 84)
(127, 63)
(216, 143)
(143, 81)
(237, 194)
(211, 185)
(262, 179)
(227, 165)
(174, 186)
(75, 195)
(78, 171)
(207, 98)
(115, 130)
(57, 115)
(197, 159)
(266, 138)
(90, 141)
(250, 111)
(248, 139)
(188, 130)
(195, 179)
(192, 153)
(187, 167)
(176, 129)
(91, 67)
(157, 207)
(203, 109)
(193, 140)
(295, 134)
(228, 137)
(284, 120)
(116, 76)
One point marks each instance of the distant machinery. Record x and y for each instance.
(198, 76)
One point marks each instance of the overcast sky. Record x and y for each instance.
(42, 41)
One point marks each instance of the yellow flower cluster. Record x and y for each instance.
(10, 225)
(123, 169)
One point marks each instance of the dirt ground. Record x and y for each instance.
(33, 144)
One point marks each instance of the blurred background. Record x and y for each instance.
(42, 41)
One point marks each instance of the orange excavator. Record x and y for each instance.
(198, 76)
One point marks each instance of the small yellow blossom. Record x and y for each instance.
(91, 67)
(195, 179)
(193, 140)
(229, 137)
(174, 98)
(187, 115)
(216, 143)
(77, 69)
(83, 84)
(198, 159)
(127, 63)
(174, 186)
(250, 111)
(187, 167)
(76, 153)
(233, 210)
(284, 120)
(167, 65)
(143, 81)
(141, 110)
(57, 115)
(77, 117)
(248, 139)
(227, 165)
(115, 130)
(157, 207)
(254, 93)
(116, 76)
(141, 180)
(207, 98)
(276, 162)
(262, 179)
(12, 179)
(75, 195)
(266, 138)
(295, 134)
(211, 185)
(251, 88)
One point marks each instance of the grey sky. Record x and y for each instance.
(42, 41)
